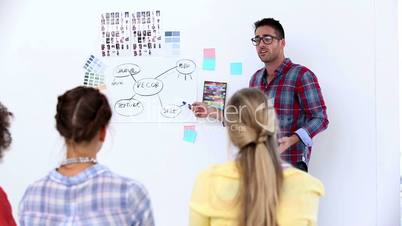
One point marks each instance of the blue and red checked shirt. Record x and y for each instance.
(96, 196)
(298, 104)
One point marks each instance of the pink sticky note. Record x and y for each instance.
(209, 53)
(192, 127)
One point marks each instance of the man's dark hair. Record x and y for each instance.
(272, 23)
(5, 135)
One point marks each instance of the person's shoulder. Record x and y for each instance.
(43, 181)
(218, 172)
(2, 191)
(130, 184)
(3, 195)
(301, 181)
(300, 69)
(125, 181)
(226, 169)
(215, 190)
(36, 187)
(258, 73)
(301, 74)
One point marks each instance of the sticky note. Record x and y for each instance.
(209, 53)
(208, 64)
(189, 127)
(236, 68)
(189, 136)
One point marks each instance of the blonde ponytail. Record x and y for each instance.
(257, 161)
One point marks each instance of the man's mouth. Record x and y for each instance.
(263, 52)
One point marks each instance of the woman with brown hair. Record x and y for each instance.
(6, 217)
(81, 191)
(256, 189)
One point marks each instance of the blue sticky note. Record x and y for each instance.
(189, 135)
(236, 68)
(208, 64)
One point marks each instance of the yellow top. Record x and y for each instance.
(214, 194)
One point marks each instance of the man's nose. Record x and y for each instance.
(261, 44)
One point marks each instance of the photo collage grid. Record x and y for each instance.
(131, 33)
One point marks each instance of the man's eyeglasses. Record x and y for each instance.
(267, 39)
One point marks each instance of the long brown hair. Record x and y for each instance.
(251, 128)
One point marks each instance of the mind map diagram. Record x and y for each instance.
(149, 86)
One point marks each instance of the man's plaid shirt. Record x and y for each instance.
(298, 103)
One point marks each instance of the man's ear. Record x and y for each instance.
(102, 134)
(283, 42)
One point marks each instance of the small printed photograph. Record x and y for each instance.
(117, 27)
(214, 94)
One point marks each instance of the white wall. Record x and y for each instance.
(350, 45)
(387, 112)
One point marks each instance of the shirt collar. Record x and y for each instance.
(286, 62)
(79, 178)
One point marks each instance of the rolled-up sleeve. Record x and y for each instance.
(312, 101)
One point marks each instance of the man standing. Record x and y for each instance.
(295, 92)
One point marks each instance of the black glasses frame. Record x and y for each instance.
(266, 39)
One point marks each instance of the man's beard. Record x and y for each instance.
(269, 59)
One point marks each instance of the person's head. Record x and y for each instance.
(5, 135)
(251, 126)
(269, 40)
(82, 115)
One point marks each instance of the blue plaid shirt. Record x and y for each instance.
(298, 103)
(95, 196)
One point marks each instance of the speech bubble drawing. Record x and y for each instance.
(148, 86)
(130, 107)
(185, 66)
(124, 70)
(170, 111)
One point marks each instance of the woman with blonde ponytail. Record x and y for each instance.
(257, 188)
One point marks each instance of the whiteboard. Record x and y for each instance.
(151, 89)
